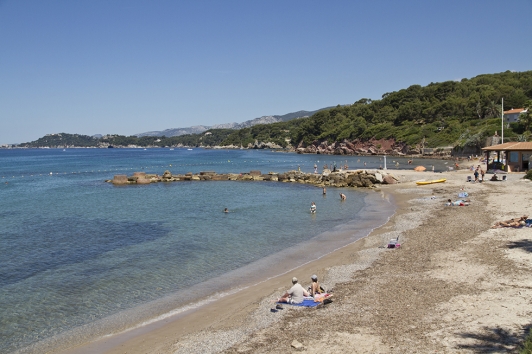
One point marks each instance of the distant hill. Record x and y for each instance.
(198, 129)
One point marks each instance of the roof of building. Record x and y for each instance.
(515, 110)
(514, 146)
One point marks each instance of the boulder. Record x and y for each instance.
(143, 181)
(120, 179)
(378, 177)
(388, 179)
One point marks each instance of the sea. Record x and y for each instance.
(81, 258)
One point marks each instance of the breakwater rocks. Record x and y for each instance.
(348, 178)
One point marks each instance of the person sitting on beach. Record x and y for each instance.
(342, 196)
(494, 177)
(315, 288)
(295, 295)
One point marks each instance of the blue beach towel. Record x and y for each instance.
(305, 303)
(309, 301)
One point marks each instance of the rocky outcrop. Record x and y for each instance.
(355, 147)
(262, 145)
(354, 178)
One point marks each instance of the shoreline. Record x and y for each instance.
(382, 297)
(258, 275)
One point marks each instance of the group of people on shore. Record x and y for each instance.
(296, 294)
(479, 173)
(313, 205)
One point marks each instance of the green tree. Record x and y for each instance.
(526, 118)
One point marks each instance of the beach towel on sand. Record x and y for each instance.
(307, 302)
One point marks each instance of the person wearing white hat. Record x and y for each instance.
(295, 295)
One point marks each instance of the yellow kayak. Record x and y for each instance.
(421, 183)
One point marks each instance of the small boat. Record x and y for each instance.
(421, 183)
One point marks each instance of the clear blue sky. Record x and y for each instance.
(126, 67)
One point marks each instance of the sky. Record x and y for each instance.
(132, 66)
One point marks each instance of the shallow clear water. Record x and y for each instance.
(75, 250)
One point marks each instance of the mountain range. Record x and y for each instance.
(197, 129)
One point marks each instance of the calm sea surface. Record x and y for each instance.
(80, 258)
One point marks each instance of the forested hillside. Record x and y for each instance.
(451, 113)
(440, 114)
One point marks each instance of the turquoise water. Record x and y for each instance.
(76, 251)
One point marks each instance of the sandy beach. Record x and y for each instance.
(454, 285)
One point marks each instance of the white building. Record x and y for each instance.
(512, 115)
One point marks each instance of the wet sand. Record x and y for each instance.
(454, 285)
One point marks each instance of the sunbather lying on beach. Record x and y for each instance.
(515, 222)
(459, 202)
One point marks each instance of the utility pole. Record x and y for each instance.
(502, 120)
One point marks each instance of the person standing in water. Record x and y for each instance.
(342, 196)
(312, 207)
